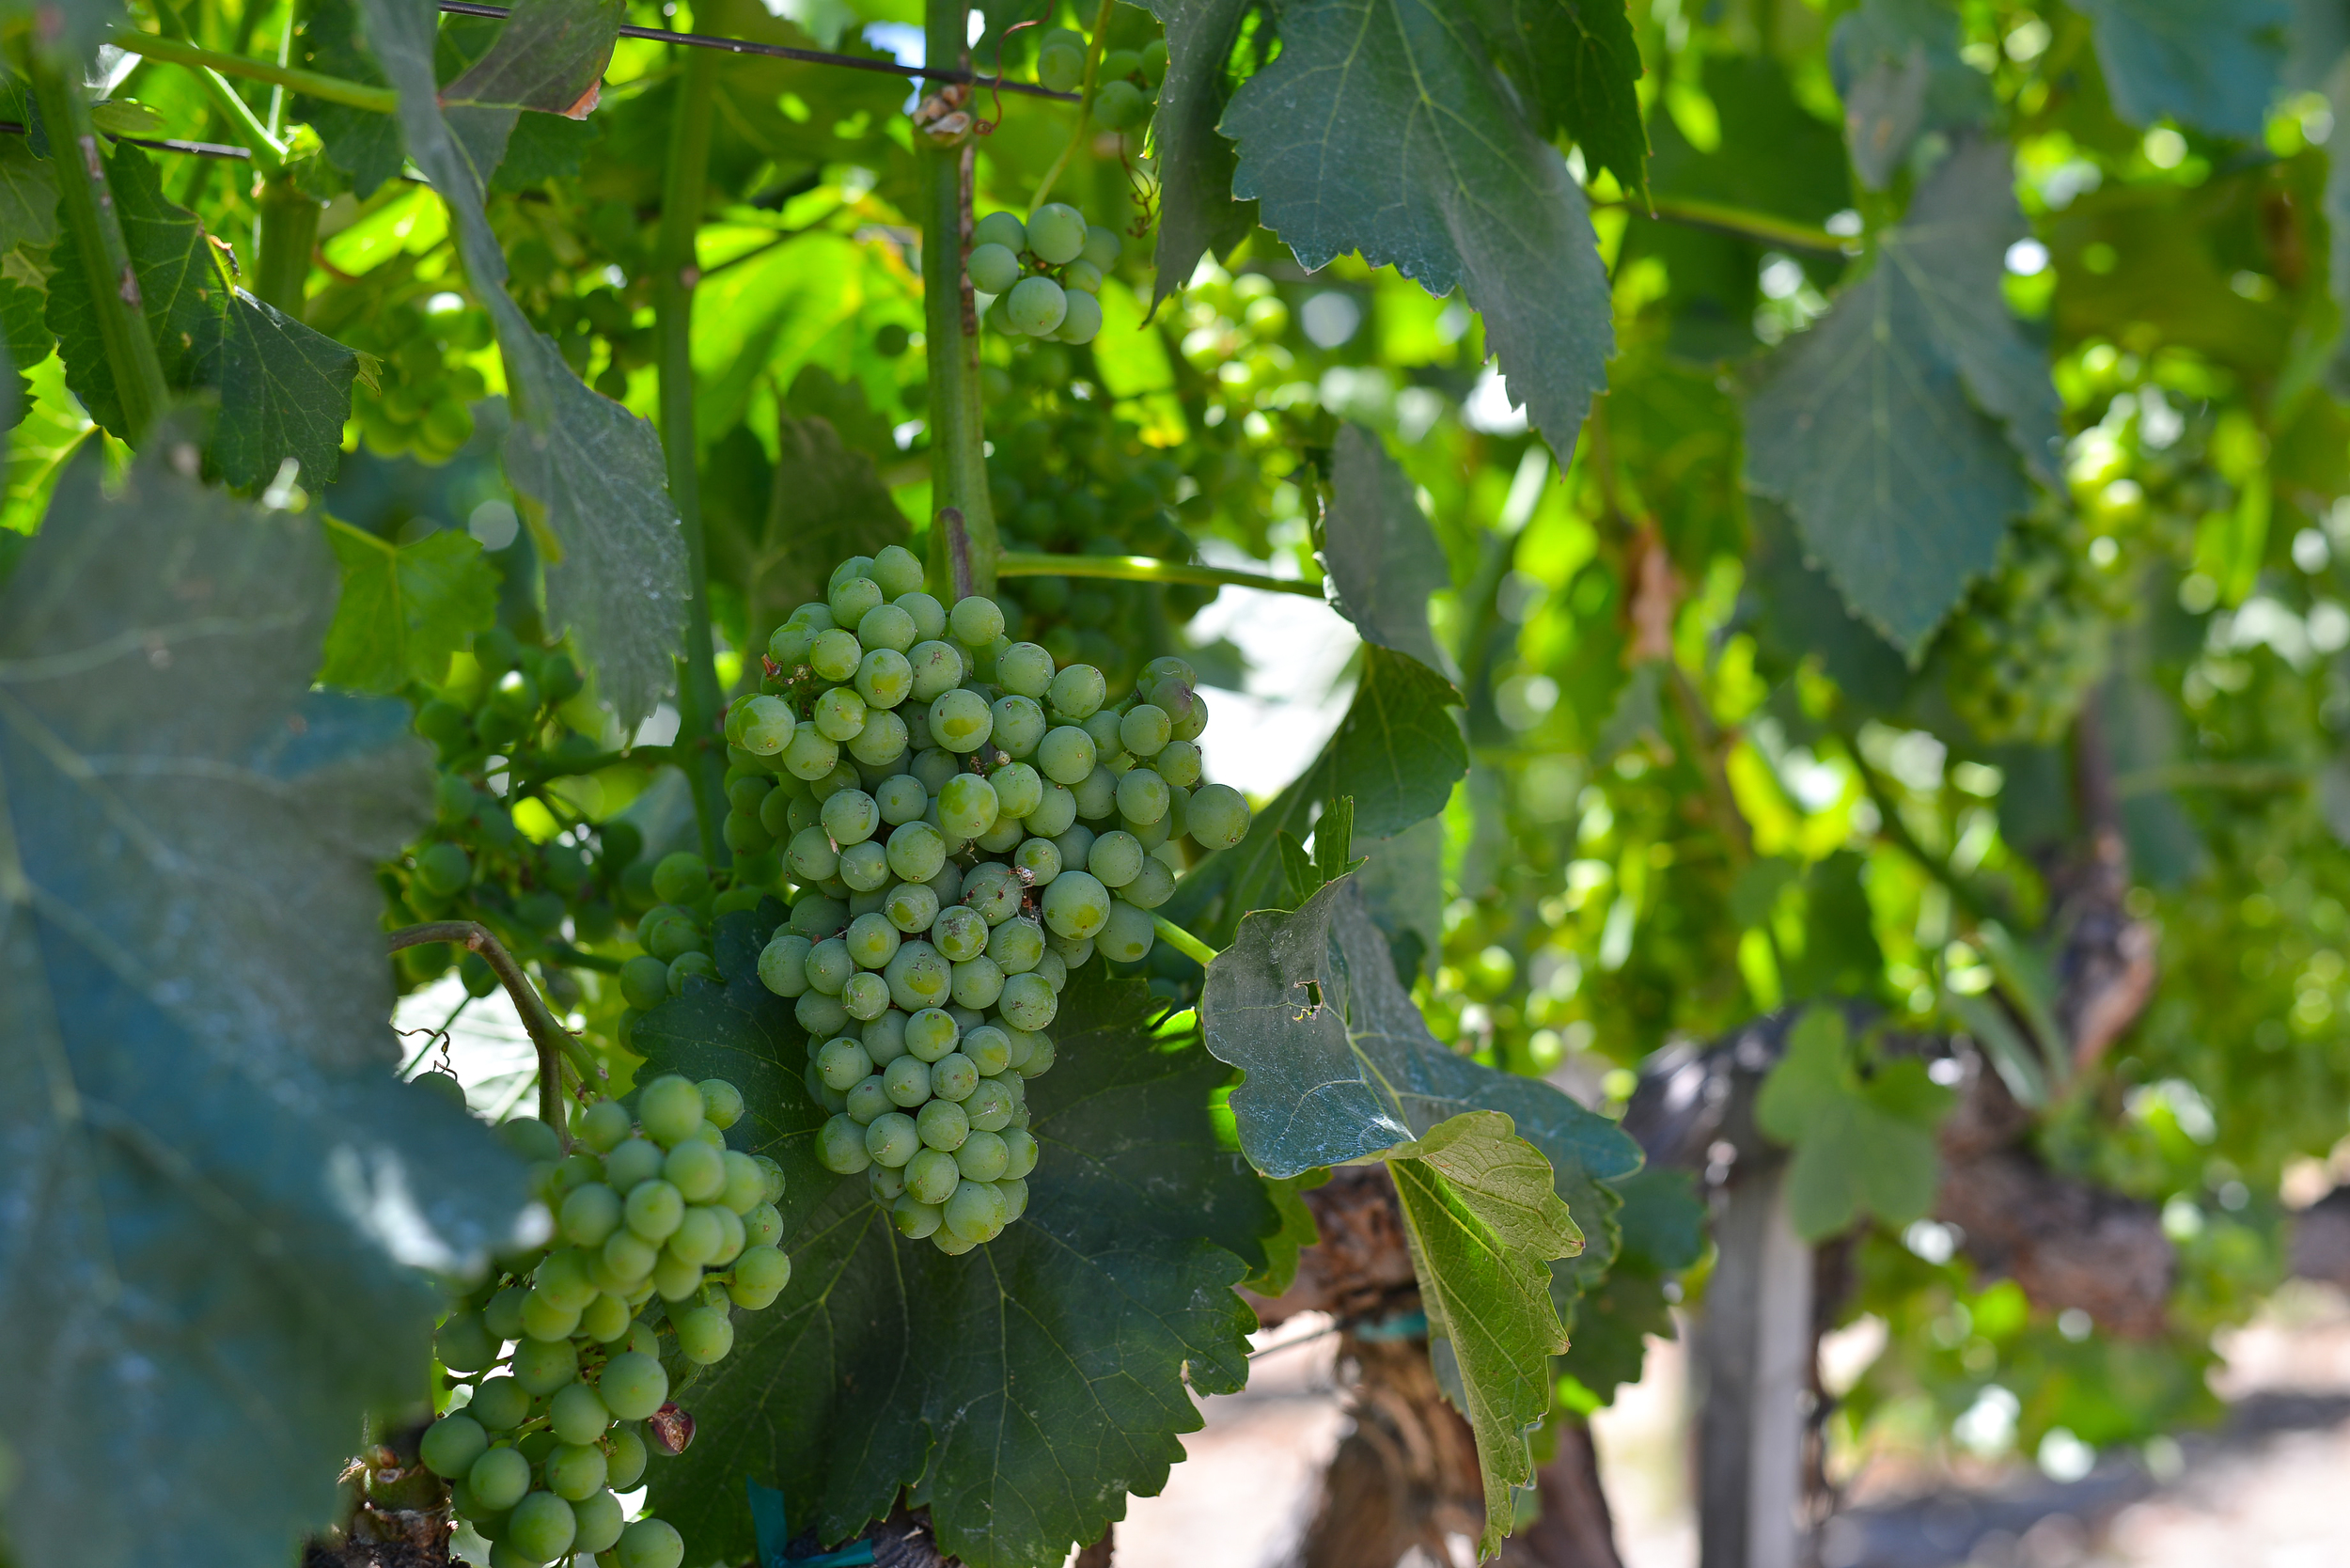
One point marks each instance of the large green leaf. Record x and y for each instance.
(1382, 557)
(1662, 1226)
(1399, 751)
(28, 196)
(284, 390)
(214, 1185)
(1897, 65)
(1484, 1225)
(549, 56)
(591, 473)
(1197, 214)
(2211, 64)
(1891, 430)
(1577, 63)
(405, 608)
(1863, 1145)
(1028, 1386)
(1382, 128)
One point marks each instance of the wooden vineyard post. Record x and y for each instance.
(1753, 1375)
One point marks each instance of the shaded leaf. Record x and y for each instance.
(1802, 615)
(549, 56)
(1381, 557)
(1861, 1146)
(28, 196)
(24, 336)
(215, 1188)
(1483, 1224)
(591, 472)
(2211, 64)
(1298, 1232)
(360, 142)
(1030, 1384)
(1578, 64)
(405, 608)
(285, 392)
(1880, 428)
(1662, 1226)
(1382, 128)
(1198, 215)
(1896, 67)
(1399, 751)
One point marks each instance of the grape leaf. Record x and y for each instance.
(28, 196)
(24, 337)
(2213, 64)
(1900, 481)
(549, 56)
(1483, 1224)
(1896, 67)
(1399, 751)
(1863, 1146)
(1197, 214)
(1028, 1386)
(363, 143)
(216, 1186)
(1662, 1227)
(1382, 128)
(405, 608)
(591, 474)
(1381, 559)
(1580, 66)
(284, 390)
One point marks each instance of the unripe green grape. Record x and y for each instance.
(993, 269)
(1119, 105)
(842, 1062)
(930, 1176)
(451, 1445)
(577, 1414)
(865, 1100)
(865, 867)
(499, 1403)
(1024, 669)
(884, 677)
(992, 889)
(937, 670)
(1065, 755)
(704, 1334)
(943, 1125)
(977, 983)
(443, 869)
(763, 1268)
(1036, 307)
(812, 856)
(1057, 233)
(463, 1343)
(1081, 318)
(589, 1213)
(633, 1161)
(604, 1319)
(783, 965)
(987, 1048)
(1104, 726)
(866, 995)
(544, 1318)
(933, 766)
(1142, 796)
(1019, 789)
(840, 1147)
(1143, 729)
(834, 655)
(930, 1034)
(722, 1102)
(872, 940)
(911, 907)
(975, 1212)
(1076, 693)
(1015, 1191)
(1155, 60)
(1053, 815)
(914, 1218)
(1178, 762)
(498, 1480)
(767, 726)
(541, 1526)
(649, 1544)
(633, 1386)
(967, 806)
(788, 647)
(960, 720)
(982, 1157)
(1005, 228)
(1217, 816)
(674, 1278)
(1117, 63)
(1060, 67)
(1075, 906)
(1020, 1153)
(697, 1170)
(1152, 886)
(959, 934)
(686, 967)
(906, 1082)
(944, 1239)
(653, 1210)
(885, 1036)
(918, 977)
(850, 816)
(1189, 718)
(838, 714)
(503, 1315)
(900, 799)
(1097, 794)
(1019, 724)
(681, 878)
(1016, 944)
(598, 1518)
(628, 1256)
(850, 601)
(1127, 935)
(1115, 860)
(1080, 276)
(543, 1366)
(990, 1108)
(976, 620)
(810, 756)
(1028, 1002)
(816, 916)
(669, 1109)
(625, 1465)
(887, 629)
(917, 850)
(745, 835)
(897, 568)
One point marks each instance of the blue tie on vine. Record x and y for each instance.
(773, 1525)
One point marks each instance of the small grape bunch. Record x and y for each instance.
(1044, 274)
(968, 823)
(661, 1229)
(417, 402)
(676, 933)
(1125, 92)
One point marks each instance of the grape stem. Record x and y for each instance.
(555, 1042)
(1183, 941)
(333, 89)
(1143, 569)
(1084, 106)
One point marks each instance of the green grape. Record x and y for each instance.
(1057, 233)
(1118, 64)
(821, 1015)
(942, 1124)
(918, 977)
(866, 995)
(991, 1107)
(767, 726)
(674, 1278)
(976, 620)
(1080, 276)
(722, 1102)
(1065, 755)
(1019, 789)
(959, 934)
(452, 1443)
(993, 269)
(644, 981)
(914, 1218)
(1144, 730)
(830, 964)
(774, 1173)
(598, 1520)
(850, 601)
(697, 1170)
(993, 890)
(1153, 61)
(499, 1403)
(982, 1157)
(463, 1342)
(911, 907)
(1152, 886)
(865, 1100)
(961, 719)
(838, 714)
(842, 1062)
(811, 855)
(850, 816)
(1076, 693)
(872, 940)
(589, 1213)
(704, 1334)
(930, 616)
(1005, 228)
(937, 669)
(1036, 307)
(930, 1176)
(1103, 727)
(1015, 1192)
(934, 767)
(541, 1526)
(884, 677)
(967, 806)
(669, 1109)
(1081, 315)
(650, 1544)
(630, 1162)
(688, 967)
(633, 1386)
(977, 982)
(624, 1464)
(1024, 669)
(575, 1473)
(653, 1210)
(1142, 795)
(886, 1038)
(840, 1147)
(1017, 944)
(1115, 860)
(810, 756)
(1053, 813)
(1127, 935)
(952, 1077)
(1077, 904)
(444, 869)
(836, 654)
(604, 1319)
(1028, 1002)
(628, 1255)
(1021, 1152)
(498, 1480)
(1019, 724)
(900, 799)
(1189, 718)
(988, 1049)
(906, 1081)
(1061, 68)
(1119, 105)
(764, 1268)
(543, 1366)
(1217, 815)
(681, 878)
(930, 1034)
(577, 1414)
(943, 1239)
(887, 629)
(975, 1212)
(897, 568)
(1178, 762)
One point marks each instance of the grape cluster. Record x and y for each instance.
(1125, 86)
(676, 932)
(2034, 638)
(417, 402)
(968, 821)
(1043, 276)
(661, 1229)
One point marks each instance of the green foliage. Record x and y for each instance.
(1199, 212)
(220, 1277)
(2211, 64)
(1864, 1145)
(1381, 554)
(1579, 63)
(1029, 1394)
(404, 608)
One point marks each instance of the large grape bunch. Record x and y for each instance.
(1042, 277)
(967, 822)
(2034, 637)
(661, 1232)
